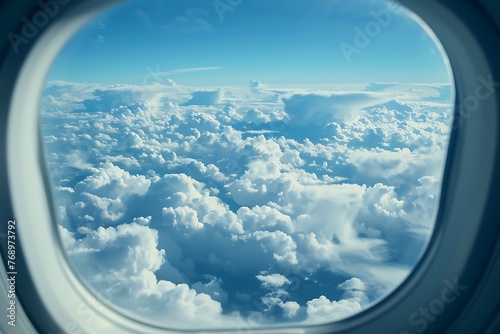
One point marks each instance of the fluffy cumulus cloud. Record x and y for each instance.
(255, 83)
(121, 263)
(244, 206)
(205, 98)
(316, 109)
(354, 299)
(274, 280)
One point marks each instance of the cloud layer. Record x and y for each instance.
(249, 206)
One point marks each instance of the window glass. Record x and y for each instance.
(242, 164)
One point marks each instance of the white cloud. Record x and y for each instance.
(382, 163)
(273, 280)
(353, 284)
(256, 116)
(322, 309)
(111, 209)
(319, 110)
(78, 160)
(142, 220)
(280, 244)
(290, 309)
(182, 215)
(128, 249)
(120, 262)
(205, 98)
(186, 212)
(264, 218)
(255, 83)
(112, 181)
(354, 300)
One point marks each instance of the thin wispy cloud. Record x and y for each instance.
(187, 70)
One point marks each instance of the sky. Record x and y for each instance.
(277, 41)
(243, 172)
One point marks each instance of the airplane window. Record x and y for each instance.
(247, 164)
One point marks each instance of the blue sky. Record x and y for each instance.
(276, 42)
